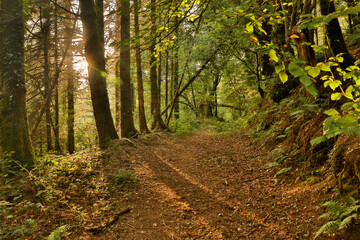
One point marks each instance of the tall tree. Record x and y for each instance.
(45, 44)
(14, 133)
(127, 121)
(95, 56)
(56, 60)
(157, 122)
(176, 70)
(117, 70)
(334, 34)
(142, 118)
(70, 76)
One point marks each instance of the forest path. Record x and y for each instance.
(208, 186)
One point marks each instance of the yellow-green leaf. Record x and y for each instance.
(331, 112)
(273, 56)
(314, 72)
(336, 96)
(283, 76)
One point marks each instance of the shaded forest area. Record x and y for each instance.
(106, 106)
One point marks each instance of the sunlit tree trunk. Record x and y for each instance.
(14, 133)
(142, 118)
(94, 53)
(70, 85)
(127, 121)
(157, 122)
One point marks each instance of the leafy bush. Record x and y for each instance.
(184, 125)
(340, 215)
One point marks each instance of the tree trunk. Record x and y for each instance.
(166, 81)
(142, 118)
(56, 107)
(70, 85)
(14, 132)
(117, 70)
(45, 42)
(159, 76)
(334, 34)
(127, 121)
(94, 53)
(157, 122)
(176, 72)
(117, 95)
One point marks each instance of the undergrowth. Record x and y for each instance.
(340, 215)
(52, 195)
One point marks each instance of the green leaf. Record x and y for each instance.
(300, 61)
(296, 70)
(325, 67)
(283, 76)
(313, 90)
(284, 170)
(306, 80)
(317, 140)
(314, 72)
(336, 96)
(279, 68)
(352, 130)
(347, 106)
(331, 112)
(273, 56)
(249, 28)
(347, 121)
(334, 84)
(348, 92)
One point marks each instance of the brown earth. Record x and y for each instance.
(208, 186)
(201, 186)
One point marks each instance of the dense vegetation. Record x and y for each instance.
(75, 74)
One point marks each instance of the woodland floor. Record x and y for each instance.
(201, 186)
(208, 186)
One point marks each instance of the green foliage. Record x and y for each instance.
(282, 171)
(59, 233)
(124, 177)
(226, 127)
(184, 126)
(339, 214)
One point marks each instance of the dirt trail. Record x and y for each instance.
(212, 187)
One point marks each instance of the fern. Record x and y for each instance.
(348, 220)
(328, 227)
(339, 214)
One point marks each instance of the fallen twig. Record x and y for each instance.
(114, 218)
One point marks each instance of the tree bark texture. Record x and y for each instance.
(70, 76)
(45, 43)
(157, 122)
(14, 132)
(142, 118)
(94, 53)
(127, 121)
(334, 34)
